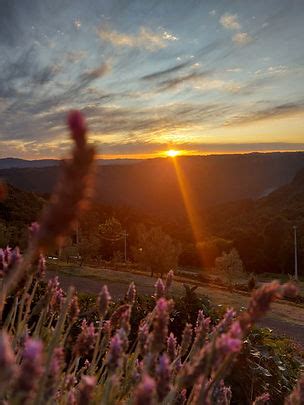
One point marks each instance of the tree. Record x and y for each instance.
(230, 265)
(89, 248)
(278, 243)
(112, 237)
(155, 250)
(210, 249)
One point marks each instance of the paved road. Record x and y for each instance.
(292, 326)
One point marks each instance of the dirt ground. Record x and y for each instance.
(284, 318)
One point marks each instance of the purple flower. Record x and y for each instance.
(125, 320)
(181, 397)
(86, 388)
(264, 398)
(163, 373)
(16, 257)
(131, 294)
(222, 394)
(158, 337)
(56, 294)
(86, 339)
(70, 381)
(77, 125)
(169, 280)
(186, 339)
(228, 343)
(74, 309)
(115, 353)
(57, 363)
(31, 368)
(159, 289)
(7, 360)
(171, 347)
(34, 229)
(225, 322)
(143, 332)
(71, 399)
(41, 266)
(202, 328)
(145, 392)
(103, 300)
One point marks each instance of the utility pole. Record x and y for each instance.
(295, 253)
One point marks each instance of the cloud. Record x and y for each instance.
(142, 148)
(202, 81)
(145, 39)
(96, 73)
(77, 24)
(169, 37)
(230, 21)
(276, 112)
(278, 70)
(217, 84)
(191, 78)
(234, 70)
(165, 72)
(241, 38)
(76, 56)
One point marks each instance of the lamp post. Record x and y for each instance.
(295, 253)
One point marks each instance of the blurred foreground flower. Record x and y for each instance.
(70, 197)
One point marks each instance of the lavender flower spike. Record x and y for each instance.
(169, 281)
(171, 346)
(31, 368)
(163, 373)
(86, 389)
(78, 127)
(103, 301)
(115, 353)
(145, 392)
(159, 289)
(7, 360)
(131, 294)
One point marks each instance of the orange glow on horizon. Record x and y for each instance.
(173, 153)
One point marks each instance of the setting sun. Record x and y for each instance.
(172, 153)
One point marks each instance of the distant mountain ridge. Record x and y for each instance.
(9, 163)
(153, 185)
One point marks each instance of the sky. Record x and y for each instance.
(199, 76)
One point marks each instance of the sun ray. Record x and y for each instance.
(192, 211)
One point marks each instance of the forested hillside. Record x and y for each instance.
(153, 186)
(261, 229)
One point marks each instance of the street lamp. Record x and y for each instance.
(295, 253)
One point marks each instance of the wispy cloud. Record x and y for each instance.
(145, 38)
(230, 21)
(165, 72)
(96, 73)
(76, 56)
(241, 38)
(275, 112)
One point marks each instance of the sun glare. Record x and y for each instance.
(172, 153)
